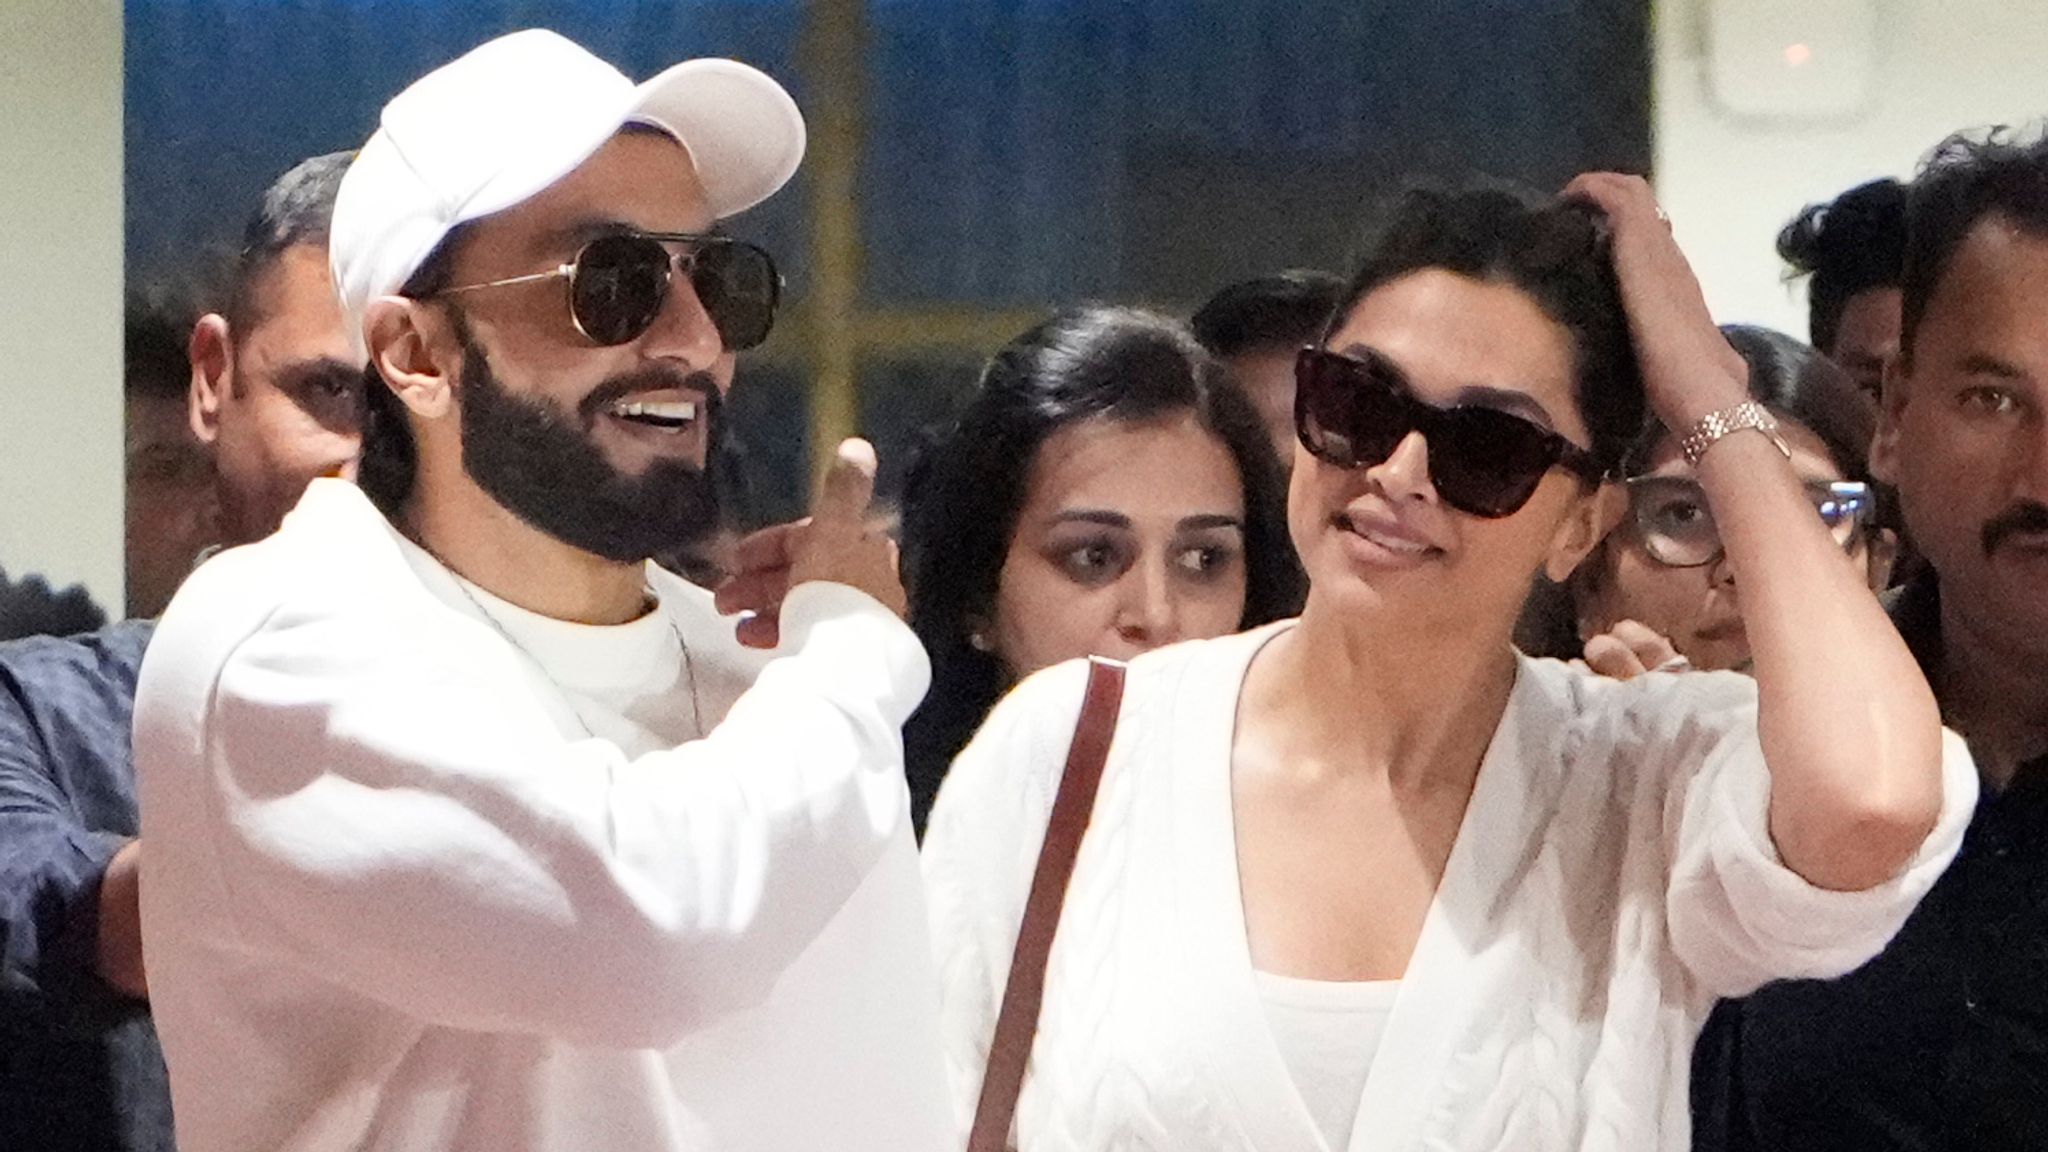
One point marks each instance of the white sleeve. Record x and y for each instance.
(391, 818)
(1739, 917)
(980, 850)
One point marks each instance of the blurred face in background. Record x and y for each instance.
(1131, 536)
(171, 511)
(279, 401)
(1663, 567)
(1867, 337)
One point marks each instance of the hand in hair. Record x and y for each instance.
(1688, 368)
(1848, 725)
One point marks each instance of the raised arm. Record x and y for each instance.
(379, 814)
(1849, 727)
(375, 795)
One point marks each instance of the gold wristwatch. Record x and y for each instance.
(1747, 415)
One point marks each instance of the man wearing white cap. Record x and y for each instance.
(469, 828)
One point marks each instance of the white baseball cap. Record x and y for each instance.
(493, 128)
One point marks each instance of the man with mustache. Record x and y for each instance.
(470, 829)
(275, 397)
(1942, 1041)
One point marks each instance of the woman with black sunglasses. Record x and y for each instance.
(1660, 593)
(1369, 879)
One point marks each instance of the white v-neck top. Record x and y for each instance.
(1613, 875)
(1328, 1032)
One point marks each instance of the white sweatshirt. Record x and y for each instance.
(1614, 873)
(396, 896)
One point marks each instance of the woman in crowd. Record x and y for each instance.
(1369, 879)
(1105, 491)
(1660, 591)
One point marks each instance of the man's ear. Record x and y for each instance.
(401, 335)
(1588, 523)
(1884, 447)
(211, 351)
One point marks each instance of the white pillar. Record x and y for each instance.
(60, 293)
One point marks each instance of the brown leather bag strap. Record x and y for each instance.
(1017, 1023)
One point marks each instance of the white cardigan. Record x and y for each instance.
(394, 898)
(1613, 875)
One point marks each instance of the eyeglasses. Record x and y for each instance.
(1353, 413)
(1670, 517)
(619, 282)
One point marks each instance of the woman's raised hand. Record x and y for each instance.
(1689, 370)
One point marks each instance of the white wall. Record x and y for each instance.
(60, 292)
(1729, 187)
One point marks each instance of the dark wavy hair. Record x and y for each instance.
(1284, 310)
(154, 330)
(30, 607)
(1966, 179)
(964, 493)
(1555, 251)
(1850, 245)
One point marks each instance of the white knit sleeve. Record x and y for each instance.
(389, 813)
(980, 850)
(1739, 917)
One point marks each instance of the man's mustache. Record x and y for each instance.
(653, 378)
(2026, 518)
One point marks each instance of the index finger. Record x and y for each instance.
(849, 486)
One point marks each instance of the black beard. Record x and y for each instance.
(543, 465)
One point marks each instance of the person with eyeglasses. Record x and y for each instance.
(1371, 879)
(1660, 593)
(470, 829)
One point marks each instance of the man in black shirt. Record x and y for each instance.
(1941, 1043)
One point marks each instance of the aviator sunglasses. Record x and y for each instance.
(1352, 412)
(618, 283)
